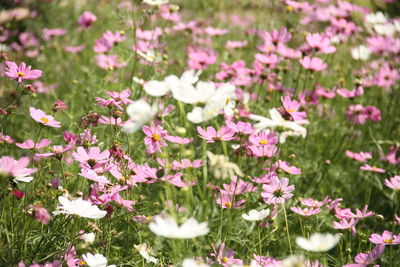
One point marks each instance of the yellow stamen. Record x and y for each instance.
(291, 110)
(289, 8)
(45, 120)
(228, 205)
(156, 137)
(263, 142)
(224, 259)
(388, 241)
(20, 74)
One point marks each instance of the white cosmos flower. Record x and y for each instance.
(23, 178)
(96, 260)
(145, 251)
(277, 121)
(293, 261)
(361, 53)
(221, 167)
(193, 263)
(318, 242)
(150, 56)
(155, 88)
(387, 29)
(155, 2)
(89, 237)
(167, 227)
(216, 100)
(254, 215)
(79, 207)
(140, 112)
(376, 18)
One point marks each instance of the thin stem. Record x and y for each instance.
(287, 229)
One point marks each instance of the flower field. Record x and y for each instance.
(199, 133)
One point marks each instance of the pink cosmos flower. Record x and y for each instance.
(284, 166)
(314, 203)
(387, 238)
(155, 138)
(238, 186)
(277, 191)
(29, 144)
(264, 138)
(364, 259)
(343, 92)
(292, 107)
(74, 49)
(86, 19)
(321, 43)
(6, 139)
(305, 211)
(346, 224)
(178, 139)
(225, 133)
(91, 159)
(228, 201)
(57, 151)
(109, 62)
(92, 175)
(225, 257)
(186, 163)
(16, 169)
(241, 128)
(359, 156)
(235, 44)
(177, 181)
(50, 33)
(364, 213)
(200, 58)
(40, 214)
(21, 72)
(313, 63)
(111, 120)
(367, 167)
(391, 156)
(393, 182)
(41, 117)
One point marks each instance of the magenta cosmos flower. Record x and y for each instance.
(211, 135)
(277, 191)
(16, 169)
(91, 159)
(21, 72)
(41, 117)
(86, 19)
(387, 238)
(155, 138)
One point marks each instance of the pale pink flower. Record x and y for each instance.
(367, 167)
(321, 43)
(292, 107)
(225, 133)
(313, 63)
(359, 156)
(305, 211)
(16, 169)
(21, 72)
(41, 117)
(387, 238)
(284, 166)
(29, 144)
(393, 182)
(154, 139)
(277, 191)
(109, 62)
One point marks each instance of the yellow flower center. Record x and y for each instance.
(228, 205)
(224, 259)
(289, 8)
(45, 120)
(156, 137)
(388, 241)
(291, 110)
(82, 262)
(263, 142)
(20, 74)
